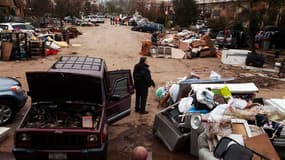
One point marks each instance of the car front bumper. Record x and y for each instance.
(83, 154)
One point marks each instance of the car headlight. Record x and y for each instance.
(24, 137)
(16, 89)
(92, 138)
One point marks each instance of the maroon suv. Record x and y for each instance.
(72, 105)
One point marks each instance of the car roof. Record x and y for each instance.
(270, 28)
(92, 66)
(11, 23)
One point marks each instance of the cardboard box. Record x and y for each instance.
(185, 46)
(205, 53)
(198, 43)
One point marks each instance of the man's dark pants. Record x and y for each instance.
(141, 97)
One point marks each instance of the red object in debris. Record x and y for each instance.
(51, 52)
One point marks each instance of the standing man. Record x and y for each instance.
(143, 80)
(111, 20)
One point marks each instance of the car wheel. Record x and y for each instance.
(140, 29)
(6, 112)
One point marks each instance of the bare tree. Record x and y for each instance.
(68, 7)
(186, 12)
(41, 8)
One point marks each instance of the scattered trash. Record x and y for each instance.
(76, 45)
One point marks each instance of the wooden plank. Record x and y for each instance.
(233, 87)
(263, 146)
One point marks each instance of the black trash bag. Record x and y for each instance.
(229, 149)
(254, 59)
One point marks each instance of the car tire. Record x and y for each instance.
(140, 29)
(7, 112)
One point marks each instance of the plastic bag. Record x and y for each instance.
(174, 91)
(238, 103)
(185, 104)
(206, 97)
(214, 75)
(218, 112)
(160, 92)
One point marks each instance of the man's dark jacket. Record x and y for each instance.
(142, 76)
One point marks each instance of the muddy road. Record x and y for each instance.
(120, 47)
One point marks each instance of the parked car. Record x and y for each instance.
(100, 18)
(72, 105)
(12, 99)
(68, 19)
(24, 27)
(209, 31)
(149, 27)
(132, 22)
(231, 39)
(90, 18)
(270, 37)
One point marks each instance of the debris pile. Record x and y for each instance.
(21, 44)
(190, 44)
(206, 111)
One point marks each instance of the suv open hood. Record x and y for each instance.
(62, 87)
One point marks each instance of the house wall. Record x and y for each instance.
(7, 3)
(17, 5)
(226, 8)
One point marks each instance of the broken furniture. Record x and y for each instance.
(261, 150)
(36, 48)
(234, 56)
(20, 44)
(6, 50)
(166, 127)
(279, 104)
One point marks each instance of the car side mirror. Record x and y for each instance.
(115, 97)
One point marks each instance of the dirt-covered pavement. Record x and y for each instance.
(120, 47)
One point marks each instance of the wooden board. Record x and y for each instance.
(234, 87)
(263, 146)
(240, 126)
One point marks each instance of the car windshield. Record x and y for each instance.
(23, 26)
(221, 34)
(4, 27)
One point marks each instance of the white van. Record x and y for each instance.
(90, 18)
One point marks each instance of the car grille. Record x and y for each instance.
(58, 141)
